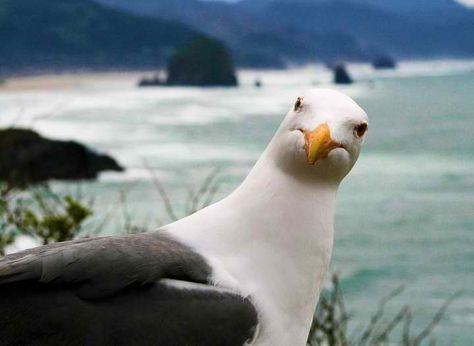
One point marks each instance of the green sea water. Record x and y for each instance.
(405, 215)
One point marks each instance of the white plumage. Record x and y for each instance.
(272, 238)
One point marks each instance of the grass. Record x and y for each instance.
(331, 323)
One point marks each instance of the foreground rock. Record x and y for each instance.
(341, 76)
(203, 62)
(26, 157)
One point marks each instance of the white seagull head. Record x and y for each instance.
(321, 136)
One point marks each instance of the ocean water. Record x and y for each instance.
(405, 215)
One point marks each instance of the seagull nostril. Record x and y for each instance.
(360, 130)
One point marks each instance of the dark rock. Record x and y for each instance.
(258, 83)
(151, 82)
(26, 157)
(341, 76)
(384, 62)
(202, 62)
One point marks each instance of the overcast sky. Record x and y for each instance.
(466, 2)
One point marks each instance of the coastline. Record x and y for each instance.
(51, 81)
(86, 79)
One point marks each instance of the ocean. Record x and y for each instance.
(405, 215)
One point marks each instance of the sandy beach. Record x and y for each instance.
(71, 80)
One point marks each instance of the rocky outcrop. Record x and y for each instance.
(202, 62)
(151, 81)
(384, 62)
(341, 76)
(26, 157)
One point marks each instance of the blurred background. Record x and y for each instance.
(157, 95)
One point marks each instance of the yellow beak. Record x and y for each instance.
(318, 143)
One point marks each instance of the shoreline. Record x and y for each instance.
(48, 81)
(45, 80)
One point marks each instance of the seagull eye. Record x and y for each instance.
(360, 130)
(298, 105)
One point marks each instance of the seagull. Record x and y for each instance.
(244, 271)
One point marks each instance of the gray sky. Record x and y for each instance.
(466, 2)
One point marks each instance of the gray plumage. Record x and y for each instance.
(110, 291)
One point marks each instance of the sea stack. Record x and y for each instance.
(384, 63)
(203, 62)
(341, 76)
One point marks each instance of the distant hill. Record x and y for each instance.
(220, 18)
(406, 28)
(239, 28)
(111, 34)
(255, 39)
(378, 30)
(60, 34)
(299, 31)
(435, 11)
(417, 9)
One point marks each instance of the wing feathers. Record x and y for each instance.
(103, 266)
(116, 291)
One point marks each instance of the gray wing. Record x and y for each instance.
(110, 291)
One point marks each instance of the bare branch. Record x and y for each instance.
(378, 314)
(406, 329)
(387, 329)
(204, 189)
(161, 190)
(436, 319)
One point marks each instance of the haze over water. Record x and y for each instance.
(405, 214)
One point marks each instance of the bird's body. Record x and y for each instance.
(246, 270)
(118, 291)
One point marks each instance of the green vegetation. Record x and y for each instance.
(57, 219)
(7, 229)
(41, 214)
(202, 62)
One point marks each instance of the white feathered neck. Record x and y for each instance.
(270, 239)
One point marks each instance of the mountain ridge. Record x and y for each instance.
(359, 29)
(120, 34)
(68, 34)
